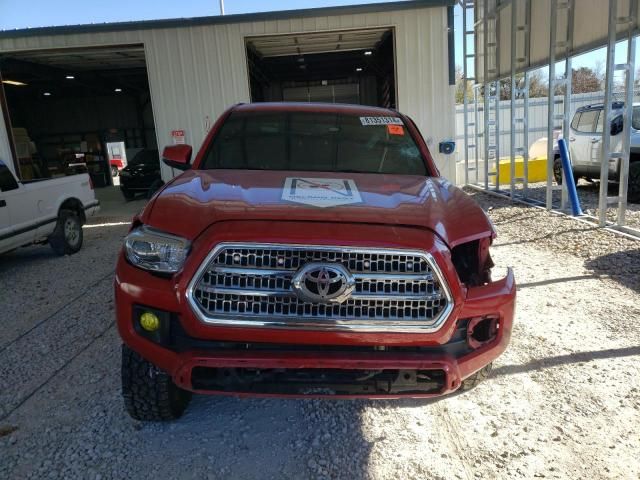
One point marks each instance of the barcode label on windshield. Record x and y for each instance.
(380, 121)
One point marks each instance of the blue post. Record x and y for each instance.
(568, 176)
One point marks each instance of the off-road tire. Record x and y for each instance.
(557, 171)
(66, 238)
(127, 194)
(155, 186)
(149, 393)
(478, 377)
(633, 195)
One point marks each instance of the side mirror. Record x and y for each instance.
(616, 125)
(177, 156)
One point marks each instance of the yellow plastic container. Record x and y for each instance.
(537, 169)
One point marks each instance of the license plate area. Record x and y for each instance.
(319, 381)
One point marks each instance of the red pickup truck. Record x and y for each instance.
(308, 250)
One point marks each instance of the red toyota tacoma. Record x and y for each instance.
(308, 250)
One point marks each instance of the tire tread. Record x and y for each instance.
(149, 393)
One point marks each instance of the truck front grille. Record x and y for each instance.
(251, 285)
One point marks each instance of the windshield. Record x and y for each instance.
(311, 141)
(144, 157)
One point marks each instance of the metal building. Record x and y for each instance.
(397, 54)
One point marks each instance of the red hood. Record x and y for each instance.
(198, 198)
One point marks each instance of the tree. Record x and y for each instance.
(461, 85)
(585, 80)
(538, 86)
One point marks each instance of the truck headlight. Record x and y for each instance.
(156, 251)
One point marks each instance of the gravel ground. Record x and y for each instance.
(563, 401)
(589, 194)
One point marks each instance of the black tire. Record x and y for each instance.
(633, 195)
(127, 194)
(557, 172)
(155, 186)
(114, 171)
(67, 237)
(149, 393)
(478, 377)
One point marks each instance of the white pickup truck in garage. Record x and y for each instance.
(40, 211)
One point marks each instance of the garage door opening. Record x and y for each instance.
(354, 66)
(75, 110)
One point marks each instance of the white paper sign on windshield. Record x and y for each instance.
(321, 192)
(380, 121)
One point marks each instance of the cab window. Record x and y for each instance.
(635, 121)
(576, 120)
(600, 121)
(587, 121)
(7, 180)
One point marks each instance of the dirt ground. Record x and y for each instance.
(562, 402)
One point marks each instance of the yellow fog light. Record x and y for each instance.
(149, 321)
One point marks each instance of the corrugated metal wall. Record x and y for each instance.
(195, 73)
(537, 120)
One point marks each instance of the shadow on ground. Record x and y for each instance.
(576, 357)
(622, 266)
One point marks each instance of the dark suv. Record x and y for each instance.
(141, 175)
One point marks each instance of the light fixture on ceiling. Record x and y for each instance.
(368, 52)
(15, 83)
(69, 77)
(47, 94)
(118, 90)
(359, 69)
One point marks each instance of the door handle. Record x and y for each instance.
(3, 203)
(572, 139)
(595, 140)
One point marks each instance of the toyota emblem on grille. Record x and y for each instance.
(323, 283)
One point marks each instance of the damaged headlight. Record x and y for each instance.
(156, 251)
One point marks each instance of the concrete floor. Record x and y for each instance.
(114, 206)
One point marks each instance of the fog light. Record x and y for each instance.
(149, 321)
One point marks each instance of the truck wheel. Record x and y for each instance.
(114, 171)
(149, 393)
(475, 379)
(155, 186)
(557, 171)
(127, 194)
(633, 194)
(66, 239)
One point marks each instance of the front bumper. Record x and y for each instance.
(291, 350)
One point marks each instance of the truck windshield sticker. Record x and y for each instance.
(380, 121)
(395, 129)
(321, 192)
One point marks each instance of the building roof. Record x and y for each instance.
(225, 19)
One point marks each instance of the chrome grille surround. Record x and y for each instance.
(249, 285)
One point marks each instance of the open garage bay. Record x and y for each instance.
(563, 402)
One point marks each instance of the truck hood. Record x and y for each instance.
(196, 199)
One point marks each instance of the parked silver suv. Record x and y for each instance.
(585, 146)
